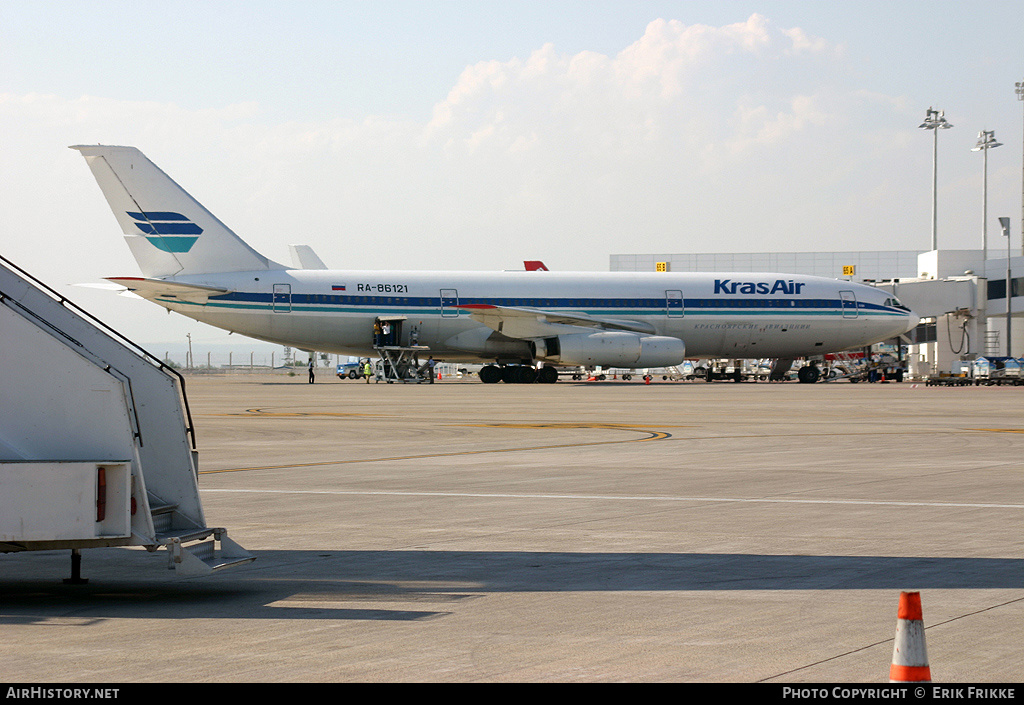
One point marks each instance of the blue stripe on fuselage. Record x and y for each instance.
(617, 306)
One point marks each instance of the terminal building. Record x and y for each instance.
(960, 295)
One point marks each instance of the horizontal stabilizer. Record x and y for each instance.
(153, 288)
(118, 289)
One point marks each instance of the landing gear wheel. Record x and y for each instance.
(490, 374)
(808, 374)
(518, 374)
(547, 375)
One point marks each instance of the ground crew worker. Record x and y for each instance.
(368, 370)
(430, 368)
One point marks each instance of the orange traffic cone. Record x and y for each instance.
(909, 653)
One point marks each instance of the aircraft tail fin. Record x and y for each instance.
(168, 231)
(303, 257)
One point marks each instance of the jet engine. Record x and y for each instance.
(612, 349)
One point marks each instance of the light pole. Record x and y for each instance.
(986, 141)
(1005, 225)
(935, 120)
(1019, 90)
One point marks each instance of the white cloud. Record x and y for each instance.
(678, 84)
(758, 126)
(802, 42)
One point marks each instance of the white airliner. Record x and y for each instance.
(195, 265)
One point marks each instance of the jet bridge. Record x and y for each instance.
(97, 447)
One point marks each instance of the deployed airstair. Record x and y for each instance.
(398, 362)
(97, 446)
(401, 364)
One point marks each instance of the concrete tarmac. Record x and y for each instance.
(610, 531)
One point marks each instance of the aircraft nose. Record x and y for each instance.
(912, 320)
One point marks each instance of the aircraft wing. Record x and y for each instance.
(153, 288)
(516, 322)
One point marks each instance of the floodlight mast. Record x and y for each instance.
(986, 141)
(935, 120)
(1004, 223)
(1019, 90)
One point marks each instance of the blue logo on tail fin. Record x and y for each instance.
(168, 231)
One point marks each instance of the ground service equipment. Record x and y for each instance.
(97, 447)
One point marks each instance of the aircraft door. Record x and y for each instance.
(282, 298)
(849, 303)
(674, 304)
(449, 300)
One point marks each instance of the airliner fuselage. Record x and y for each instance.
(194, 264)
(716, 315)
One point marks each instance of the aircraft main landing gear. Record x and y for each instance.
(518, 374)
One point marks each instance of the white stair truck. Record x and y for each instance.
(97, 447)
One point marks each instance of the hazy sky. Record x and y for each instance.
(449, 134)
